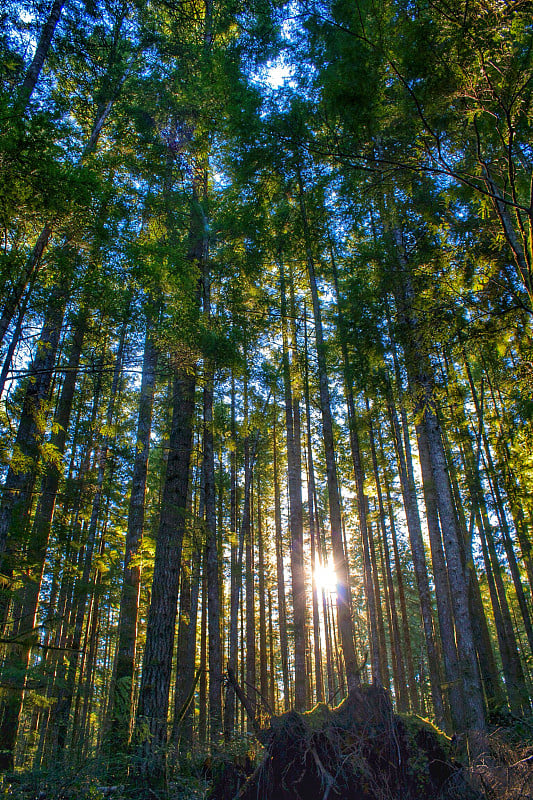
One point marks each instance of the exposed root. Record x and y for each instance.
(357, 751)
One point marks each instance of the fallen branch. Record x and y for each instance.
(259, 732)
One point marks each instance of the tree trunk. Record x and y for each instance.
(121, 701)
(294, 474)
(41, 51)
(152, 711)
(344, 606)
(420, 567)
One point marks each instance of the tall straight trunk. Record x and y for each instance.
(271, 661)
(294, 474)
(82, 590)
(182, 725)
(512, 486)
(442, 589)
(506, 536)
(313, 527)
(482, 639)
(212, 555)
(344, 605)
(411, 682)
(19, 483)
(235, 597)
(378, 665)
(420, 566)
(388, 584)
(229, 705)
(380, 625)
(121, 701)
(280, 573)
(251, 653)
(513, 673)
(512, 669)
(263, 654)
(422, 388)
(202, 695)
(38, 543)
(213, 581)
(152, 710)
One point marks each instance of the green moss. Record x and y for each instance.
(318, 717)
(414, 725)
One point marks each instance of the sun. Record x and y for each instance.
(325, 577)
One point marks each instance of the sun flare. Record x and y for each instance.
(325, 577)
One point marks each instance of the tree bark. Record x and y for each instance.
(152, 711)
(344, 606)
(121, 700)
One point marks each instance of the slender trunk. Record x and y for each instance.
(41, 52)
(294, 471)
(420, 567)
(344, 606)
(442, 589)
(19, 483)
(263, 654)
(506, 537)
(121, 702)
(251, 656)
(82, 590)
(213, 581)
(229, 705)
(397, 659)
(313, 528)
(38, 543)
(202, 695)
(182, 728)
(411, 682)
(280, 572)
(422, 388)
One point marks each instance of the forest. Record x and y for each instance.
(266, 399)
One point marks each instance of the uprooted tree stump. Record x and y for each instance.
(360, 750)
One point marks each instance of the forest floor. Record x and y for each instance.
(359, 750)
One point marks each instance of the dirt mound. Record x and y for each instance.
(357, 751)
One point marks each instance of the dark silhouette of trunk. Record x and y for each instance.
(313, 527)
(251, 656)
(36, 549)
(182, 727)
(229, 705)
(388, 585)
(41, 52)
(294, 475)
(19, 483)
(213, 581)
(82, 592)
(442, 589)
(344, 609)
(280, 574)
(202, 694)
(121, 700)
(407, 648)
(152, 710)
(379, 667)
(263, 654)
(420, 566)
